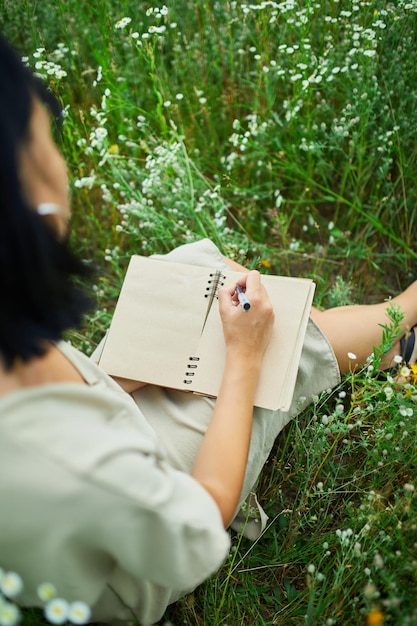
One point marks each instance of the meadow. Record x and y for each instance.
(285, 132)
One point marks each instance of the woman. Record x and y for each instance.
(118, 499)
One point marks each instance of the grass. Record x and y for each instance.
(284, 131)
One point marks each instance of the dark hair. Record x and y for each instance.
(38, 297)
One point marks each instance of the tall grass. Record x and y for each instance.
(284, 131)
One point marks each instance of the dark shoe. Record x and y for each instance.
(408, 347)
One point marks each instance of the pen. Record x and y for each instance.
(242, 297)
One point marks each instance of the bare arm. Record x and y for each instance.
(221, 460)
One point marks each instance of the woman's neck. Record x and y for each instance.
(51, 367)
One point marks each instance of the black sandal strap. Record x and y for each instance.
(407, 344)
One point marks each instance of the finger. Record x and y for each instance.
(230, 289)
(226, 295)
(251, 282)
(251, 279)
(228, 298)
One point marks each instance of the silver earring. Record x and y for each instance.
(47, 208)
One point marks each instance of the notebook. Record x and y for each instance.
(166, 330)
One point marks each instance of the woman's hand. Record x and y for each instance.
(246, 333)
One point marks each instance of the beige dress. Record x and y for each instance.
(95, 492)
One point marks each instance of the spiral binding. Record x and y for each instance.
(191, 366)
(216, 280)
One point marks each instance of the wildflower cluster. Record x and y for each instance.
(408, 6)
(48, 66)
(162, 197)
(156, 30)
(280, 139)
(56, 610)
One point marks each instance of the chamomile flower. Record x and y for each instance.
(404, 372)
(56, 611)
(46, 591)
(123, 22)
(79, 613)
(405, 411)
(11, 584)
(9, 614)
(388, 392)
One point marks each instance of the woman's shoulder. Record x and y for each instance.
(56, 415)
(86, 366)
